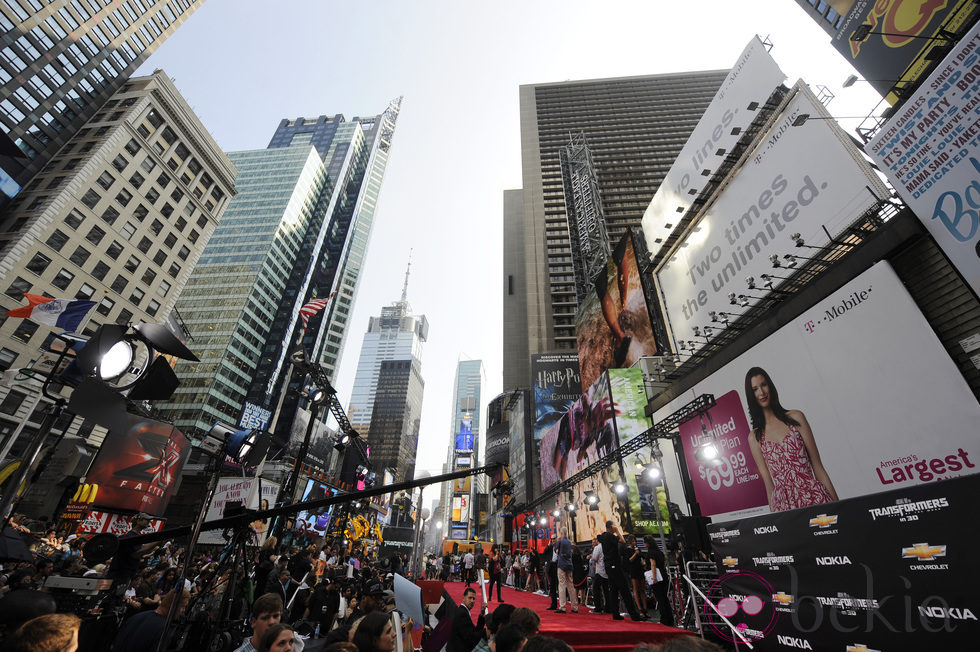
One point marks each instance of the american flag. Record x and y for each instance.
(313, 307)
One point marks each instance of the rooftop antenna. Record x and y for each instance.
(407, 271)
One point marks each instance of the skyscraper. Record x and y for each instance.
(119, 217)
(634, 127)
(464, 446)
(60, 63)
(299, 230)
(395, 335)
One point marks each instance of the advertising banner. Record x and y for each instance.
(254, 417)
(777, 193)
(584, 434)
(753, 78)
(836, 404)
(137, 470)
(498, 442)
(457, 508)
(930, 152)
(556, 386)
(316, 523)
(462, 485)
(232, 489)
(813, 578)
(899, 38)
(464, 438)
(97, 521)
(518, 424)
(613, 325)
(590, 523)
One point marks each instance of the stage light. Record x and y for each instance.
(570, 507)
(556, 513)
(438, 525)
(619, 488)
(707, 453)
(774, 259)
(653, 472)
(542, 521)
(116, 360)
(241, 445)
(732, 299)
(314, 394)
(798, 240)
(750, 281)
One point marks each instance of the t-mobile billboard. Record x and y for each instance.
(776, 193)
(752, 79)
(867, 400)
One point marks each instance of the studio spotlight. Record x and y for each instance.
(707, 453)
(798, 240)
(592, 500)
(750, 281)
(619, 488)
(570, 507)
(542, 521)
(732, 299)
(774, 259)
(241, 445)
(653, 472)
(556, 513)
(314, 394)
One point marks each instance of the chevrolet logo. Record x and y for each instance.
(730, 561)
(923, 552)
(823, 520)
(860, 647)
(783, 599)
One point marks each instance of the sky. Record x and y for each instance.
(243, 65)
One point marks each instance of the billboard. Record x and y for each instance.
(498, 442)
(868, 400)
(585, 433)
(900, 39)
(776, 193)
(96, 521)
(557, 385)
(137, 470)
(518, 425)
(317, 522)
(753, 78)
(244, 490)
(928, 151)
(462, 485)
(464, 438)
(613, 325)
(254, 417)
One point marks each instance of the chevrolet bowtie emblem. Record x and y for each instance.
(824, 520)
(923, 552)
(783, 599)
(729, 561)
(860, 647)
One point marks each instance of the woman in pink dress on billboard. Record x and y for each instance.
(784, 449)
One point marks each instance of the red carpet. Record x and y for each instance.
(584, 631)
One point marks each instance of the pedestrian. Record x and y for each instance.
(600, 582)
(635, 569)
(661, 581)
(610, 541)
(266, 612)
(142, 632)
(494, 568)
(566, 581)
(469, 564)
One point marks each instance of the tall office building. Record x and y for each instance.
(464, 446)
(395, 335)
(60, 62)
(393, 436)
(634, 127)
(298, 230)
(120, 217)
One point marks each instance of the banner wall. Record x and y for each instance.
(777, 193)
(753, 78)
(556, 386)
(930, 152)
(232, 489)
(865, 374)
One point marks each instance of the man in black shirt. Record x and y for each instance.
(551, 559)
(610, 541)
(659, 563)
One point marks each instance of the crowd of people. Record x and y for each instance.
(288, 598)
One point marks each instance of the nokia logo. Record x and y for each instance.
(766, 529)
(840, 560)
(794, 642)
(947, 613)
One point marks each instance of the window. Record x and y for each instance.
(202, 221)
(100, 270)
(74, 219)
(192, 236)
(72, 164)
(163, 180)
(106, 180)
(18, 288)
(23, 334)
(169, 135)
(124, 317)
(163, 288)
(183, 253)
(185, 178)
(152, 195)
(140, 212)
(95, 235)
(63, 279)
(182, 152)
(110, 215)
(174, 270)
(167, 210)
(156, 226)
(173, 164)
(145, 245)
(8, 357)
(137, 296)
(120, 162)
(128, 230)
(85, 292)
(132, 146)
(160, 258)
(148, 165)
(180, 223)
(118, 285)
(152, 308)
(114, 252)
(91, 198)
(170, 241)
(132, 264)
(105, 306)
(80, 256)
(137, 180)
(124, 197)
(55, 182)
(57, 240)
(148, 277)
(38, 264)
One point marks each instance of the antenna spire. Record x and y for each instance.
(407, 272)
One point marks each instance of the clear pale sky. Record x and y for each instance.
(243, 65)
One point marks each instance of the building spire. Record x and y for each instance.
(407, 271)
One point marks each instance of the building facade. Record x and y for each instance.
(120, 217)
(393, 437)
(635, 127)
(458, 499)
(60, 62)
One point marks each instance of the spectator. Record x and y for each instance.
(278, 638)
(527, 620)
(509, 638)
(50, 633)
(546, 644)
(375, 633)
(566, 581)
(266, 613)
(142, 632)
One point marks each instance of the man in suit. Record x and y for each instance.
(551, 558)
(282, 585)
(465, 635)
